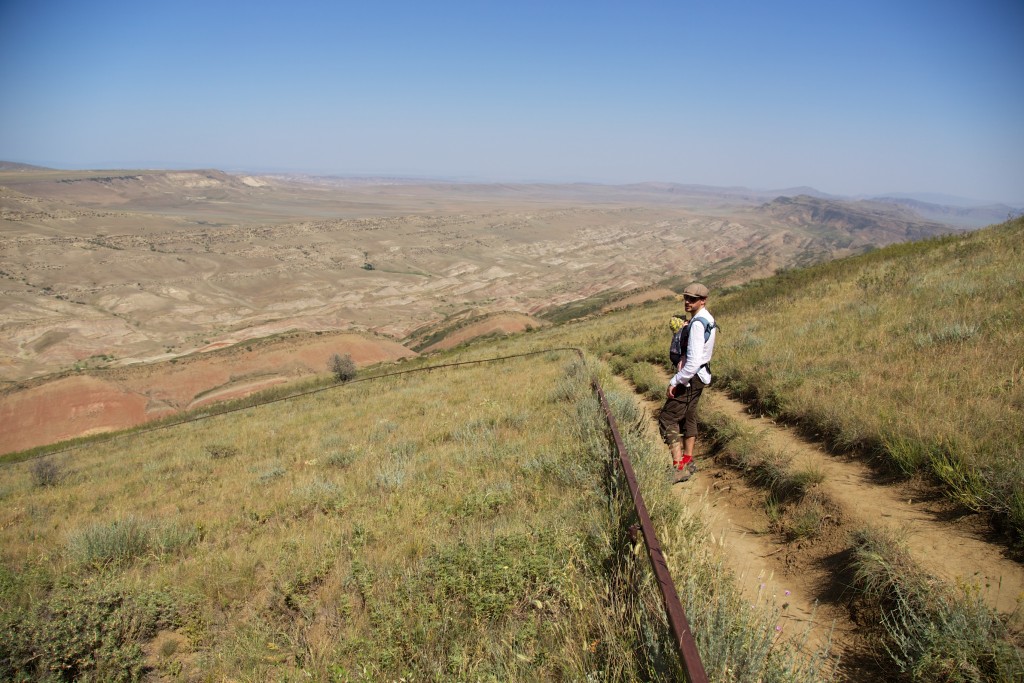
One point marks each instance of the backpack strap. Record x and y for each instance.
(707, 335)
(707, 327)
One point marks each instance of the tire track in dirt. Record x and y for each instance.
(806, 579)
(955, 553)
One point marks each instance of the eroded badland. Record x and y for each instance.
(108, 276)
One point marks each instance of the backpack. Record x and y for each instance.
(677, 349)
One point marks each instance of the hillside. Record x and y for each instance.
(964, 216)
(913, 351)
(256, 541)
(98, 398)
(332, 537)
(909, 353)
(15, 166)
(853, 224)
(899, 372)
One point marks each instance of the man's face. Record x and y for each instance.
(692, 304)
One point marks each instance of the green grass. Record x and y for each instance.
(465, 524)
(78, 630)
(932, 632)
(333, 533)
(461, 524)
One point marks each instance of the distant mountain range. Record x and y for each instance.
(15, 166)
(939, 199)
(964, 216)
(959, 212)
(852, 223)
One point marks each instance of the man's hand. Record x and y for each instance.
(671, 391)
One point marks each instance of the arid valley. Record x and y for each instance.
(127, 295)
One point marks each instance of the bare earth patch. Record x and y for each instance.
(505, 323)
(639, 298)
(49, 411)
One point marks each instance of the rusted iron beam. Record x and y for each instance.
(689, 657)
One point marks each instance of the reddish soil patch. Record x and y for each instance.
(506, 323)
(639, 298)
(66, 408)
(49, 411)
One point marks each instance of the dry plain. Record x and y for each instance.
(112, 279)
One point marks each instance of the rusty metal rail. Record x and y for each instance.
(686, 646)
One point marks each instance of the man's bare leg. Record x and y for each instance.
(688, 444)
(677, 454)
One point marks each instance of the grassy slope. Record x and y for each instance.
(337, 536)
(947, 317)
(913, 353)
(451, 525)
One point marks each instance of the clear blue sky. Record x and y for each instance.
(856, 97)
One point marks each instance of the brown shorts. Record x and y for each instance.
(678, 417)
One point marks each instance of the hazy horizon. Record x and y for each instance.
(857, 100)
(927, 197)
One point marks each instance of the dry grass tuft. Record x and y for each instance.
(932, 631)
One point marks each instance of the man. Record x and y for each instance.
(678, 420)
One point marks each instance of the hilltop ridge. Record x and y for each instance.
(974, 216)
(864, 222)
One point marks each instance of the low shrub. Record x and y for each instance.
(340, 459)
(220, 451)
(110, 545)
(320, 495)
(120, 542)
(391, 474)
(81, 631)
(807, 518)
(342, 367)
(47, 472)
(271, 474)
(647, 381)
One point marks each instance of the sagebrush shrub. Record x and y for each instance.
(46, 472)
(113, 544)
(342, 367)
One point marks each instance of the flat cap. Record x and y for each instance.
(696, 289)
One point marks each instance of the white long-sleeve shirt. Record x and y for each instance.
(697, 352)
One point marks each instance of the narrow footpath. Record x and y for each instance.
(808, 579)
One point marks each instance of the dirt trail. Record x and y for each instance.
(806, 578)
